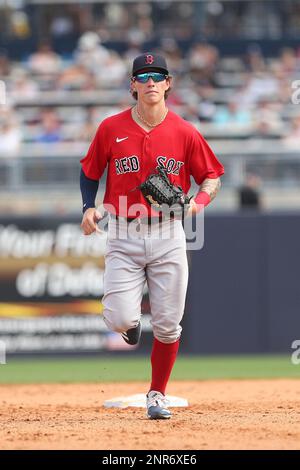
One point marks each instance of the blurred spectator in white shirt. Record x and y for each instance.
(268, 113)
(76, 77)
(292, 139)
(22, 86)
(45, 61)
(10, 138)
(259, 86)
(112, 72)
(90, 52)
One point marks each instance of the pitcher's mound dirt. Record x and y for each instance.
(248, 414)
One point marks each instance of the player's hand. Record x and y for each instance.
(194, 208)
(90, 220)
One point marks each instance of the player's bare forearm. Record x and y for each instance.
(207, 192)
(211, 186)
(90, 220)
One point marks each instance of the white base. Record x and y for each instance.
(139, 401)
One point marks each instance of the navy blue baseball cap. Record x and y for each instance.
(150, 61)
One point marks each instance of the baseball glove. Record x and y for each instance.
(163, 196)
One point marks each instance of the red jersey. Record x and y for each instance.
(131, 154)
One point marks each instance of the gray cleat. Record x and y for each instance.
(157, 406)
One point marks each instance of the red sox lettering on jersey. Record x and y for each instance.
(127, 164)
(130, 154)
(132, 164)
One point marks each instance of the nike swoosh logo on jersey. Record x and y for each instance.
(120, 140)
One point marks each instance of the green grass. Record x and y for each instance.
(108, 369)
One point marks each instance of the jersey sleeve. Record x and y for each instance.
(203, 162)
(95, 161)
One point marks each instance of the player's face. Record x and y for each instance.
(151, 86)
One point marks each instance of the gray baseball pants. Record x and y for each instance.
(137, 253)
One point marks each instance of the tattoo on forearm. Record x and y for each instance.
(211, 186)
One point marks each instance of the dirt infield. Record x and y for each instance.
(248, 414)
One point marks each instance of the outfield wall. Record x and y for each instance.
(244, 290)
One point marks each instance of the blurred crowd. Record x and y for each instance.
(80, 73)
(141, 21)
(52, 99)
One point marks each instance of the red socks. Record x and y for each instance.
(162, 359)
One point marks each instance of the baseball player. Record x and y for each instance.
(131, 145)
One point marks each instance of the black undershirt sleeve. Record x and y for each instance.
(88, 190)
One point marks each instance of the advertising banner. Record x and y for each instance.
(51, 285)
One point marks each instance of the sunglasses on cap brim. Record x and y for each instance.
(156, 77)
